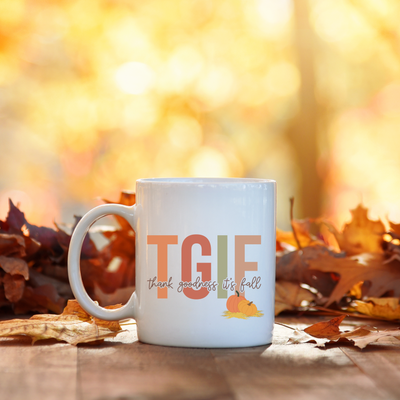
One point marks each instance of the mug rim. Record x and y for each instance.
(204, 181)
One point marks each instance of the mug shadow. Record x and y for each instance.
(137, 345)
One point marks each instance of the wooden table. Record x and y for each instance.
(125, 369)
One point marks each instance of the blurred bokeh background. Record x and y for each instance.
(95, 94)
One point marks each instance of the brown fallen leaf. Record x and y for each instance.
(383, 277)
(14, 286)
(329, 332)
(295, 267)
(73, 326)
(290, 295)
(326, 329)
(40, 299)
(385, 307)
(14, 266)
(12, 245)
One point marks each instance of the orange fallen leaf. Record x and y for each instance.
(304, 238)
(360, 235)
(326, 329)
(385, 307)
(327, 332)
(73, 326)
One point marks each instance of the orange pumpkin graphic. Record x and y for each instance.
(233, 302)
(247, 308)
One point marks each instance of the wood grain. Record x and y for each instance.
(144, 371)
(381, 364)
(301, 371)
(124, 368)
(45, 371)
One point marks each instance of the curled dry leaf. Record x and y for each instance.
(73, 326)
(14, 266)
(327, 332)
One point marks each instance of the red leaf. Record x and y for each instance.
(14, 286)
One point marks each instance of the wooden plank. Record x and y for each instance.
(125, 368)
(381, 364)
(40, 371)
(301, 371)
(138, 370)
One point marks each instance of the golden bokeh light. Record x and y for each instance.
(209, 162)
(96, 94)
(134, 77)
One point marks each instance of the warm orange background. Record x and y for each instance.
(97, 93)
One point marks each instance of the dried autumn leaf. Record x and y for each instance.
(326, 329)
(294, 267)
(14, 266)
(365, 335)
(329, 332)
(12, 245)
(40, 299)
(360, 235)
(383, 277)
(14, 286)
(290, 295)
(386, 307)
(15, 219)
(283, 237)
(73, 326)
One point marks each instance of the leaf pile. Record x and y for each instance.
(33, 264)
(73, 326)
(356, 270)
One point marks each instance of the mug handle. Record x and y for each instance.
(74, 271)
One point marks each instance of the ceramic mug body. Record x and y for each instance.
(205, 261)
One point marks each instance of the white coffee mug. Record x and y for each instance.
(205, 261)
